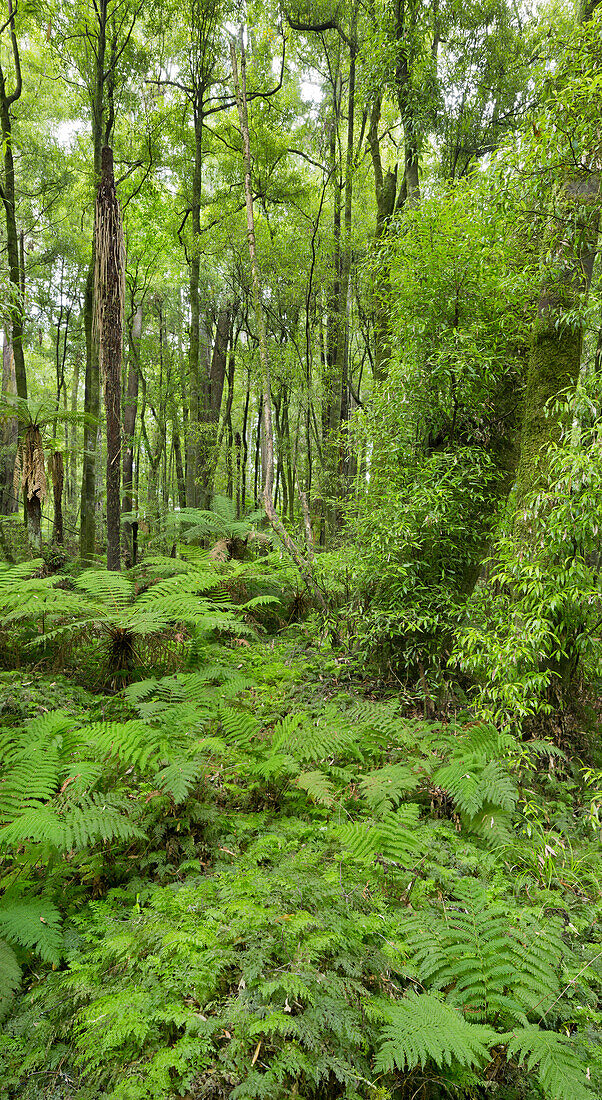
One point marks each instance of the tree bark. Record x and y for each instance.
(9, 436)
(109, 294)
(555, 354)
(57, 475)
(130, 409)
(7, 194)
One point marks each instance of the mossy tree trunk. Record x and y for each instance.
(555, 354)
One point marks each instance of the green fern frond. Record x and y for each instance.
(239, 726)
(131, 742)
(494, 968)
(34, 924)
(112, 590)
(10, 976)
(561, 1073)
(423, 1029)
(178, 777)
(474, 782)
(317, 786)
(63, 827)
(384, 788)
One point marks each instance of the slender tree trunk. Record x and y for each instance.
(57, 475)
(245, 444)
(72, 451)
(16, 271)
(9, 436)
(92, 378)
(130, 409)
(303, 565)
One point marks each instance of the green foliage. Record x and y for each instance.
(138, 615)
(532, 630)
(423, 1029)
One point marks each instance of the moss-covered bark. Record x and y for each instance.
(555, 353)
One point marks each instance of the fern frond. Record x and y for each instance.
(131, 742)
(178, 777)
(384, 788)
(474, 782)
(112, 590)
(70, 825)
(424, 1029)
(317, 786)
(10, 976)
(33, 924)
(560, 1072)
(239, 726)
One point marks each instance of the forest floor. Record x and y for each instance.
(304, 889)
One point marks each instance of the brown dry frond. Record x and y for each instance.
(30, 475)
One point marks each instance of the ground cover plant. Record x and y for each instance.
(249, 878)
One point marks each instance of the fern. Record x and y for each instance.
(560, 1072)
(483, 790)
(73, 824)
(495, 968)
(10, 976)
(178, 777)
(423, 1028)
(239, 726)
(34, 924)
(396, 838)
(384, 788)
(317, 786)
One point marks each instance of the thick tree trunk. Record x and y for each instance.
(109, 291)
(555, 354)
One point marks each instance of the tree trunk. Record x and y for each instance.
(303, 565)
(555, 354)
(109, 295)
(9, 435)
(92, 379)
(16, 272)
(57, 475)
(130, 408)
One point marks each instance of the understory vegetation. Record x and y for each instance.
(234, 866)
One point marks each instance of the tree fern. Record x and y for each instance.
(423, 1029)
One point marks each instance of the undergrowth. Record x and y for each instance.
(248, 879)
